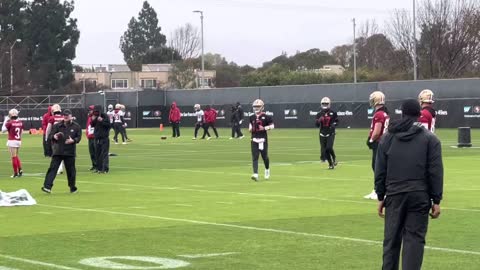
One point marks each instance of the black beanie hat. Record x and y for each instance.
(411, 107)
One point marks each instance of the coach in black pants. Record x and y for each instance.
(408, 183)
(101, 125)
(64, 137)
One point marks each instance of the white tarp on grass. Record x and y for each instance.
(17, 198)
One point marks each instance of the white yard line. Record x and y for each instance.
(252, 228)
(196, 256)
(34, 262)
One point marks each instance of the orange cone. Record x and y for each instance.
(161, 127)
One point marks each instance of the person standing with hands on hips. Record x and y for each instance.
(65, 135)
(408, 182)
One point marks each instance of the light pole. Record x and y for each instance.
(83, 80)
(203, 60)
(11, 65)
(414, 42)
(354, 52)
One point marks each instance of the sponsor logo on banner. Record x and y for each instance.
(291, 114)
(340, 113)
(149, 115)
(269, 113)
(128, 116)
(17, 198)
(398, 111)
(188, 114)
(221, 114)
(442, 113)
(471, 111)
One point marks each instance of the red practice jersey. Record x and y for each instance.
(427, 118)
(56, 118)
(15, 129)
(382, 117)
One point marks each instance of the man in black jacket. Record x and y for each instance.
(408, 183)
(237, 120)
(101, 125)
(64, 137)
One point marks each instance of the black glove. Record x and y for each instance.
(370, 144)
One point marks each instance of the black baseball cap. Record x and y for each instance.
(67, 112)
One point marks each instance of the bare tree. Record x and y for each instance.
(368, 28)
(342, 55)
(400, 32)
(186, 40)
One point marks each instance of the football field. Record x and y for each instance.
(179, 203)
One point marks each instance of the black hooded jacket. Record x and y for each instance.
(409, 158)
(102, 128)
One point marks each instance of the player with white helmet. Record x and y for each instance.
(259, 124)
(118, 124)
(379, 126)
(56, 117)
(327, 120)
(428, 117)
(200, 120)
(14, 127)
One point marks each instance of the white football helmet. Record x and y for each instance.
(426, 96)
(13, 113)
(56, 108)
(377, 98)
(118, 106)
(258, 105)
(110, 107)
(326, 102)
(197, 107)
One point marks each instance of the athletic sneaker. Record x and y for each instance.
(331, 167)
(124, 143)
(335, 163)
(46, 190)
(241, 137)
(129, 140)
(255, 177)
(20, 173)
(209, 138)
(116, 142)
(267, 174)
(231, 138)
(371, 196)
(14, 176)
(92, 169)
(74, 190)
(194, 138)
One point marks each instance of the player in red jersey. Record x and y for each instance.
(379, 126)
(56, 117)
(428, 114)
(15, 129)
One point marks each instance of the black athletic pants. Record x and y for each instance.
(47, 147)
(326, 149)
(374, 154)
(176, 129)
(236, 130)
(197, 127)
(406, 223)
(206, 126)
(91, 150)
(52, 171)
(102, 147)
(255, 154)
(119, 128)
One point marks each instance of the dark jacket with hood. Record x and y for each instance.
(409, 159)
(101, 128)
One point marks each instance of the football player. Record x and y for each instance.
(118, 124)
(123, 112)
(327, 120)
(200, 120)
(15, 129)
(428, 117)
(210, 119)
(259, 124)
(56, 117)
(379, 126)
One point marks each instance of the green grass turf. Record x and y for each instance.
(165, 198)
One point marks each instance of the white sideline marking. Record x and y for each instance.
(181, 204)
(6, 268)
(196, 186)
(45, 213)
(229, 203)
(137, 207)
(266, 200)
(196, 256)
(261, 195)
(251, 228)
(38, 262)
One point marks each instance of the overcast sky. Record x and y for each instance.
(244, 31)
